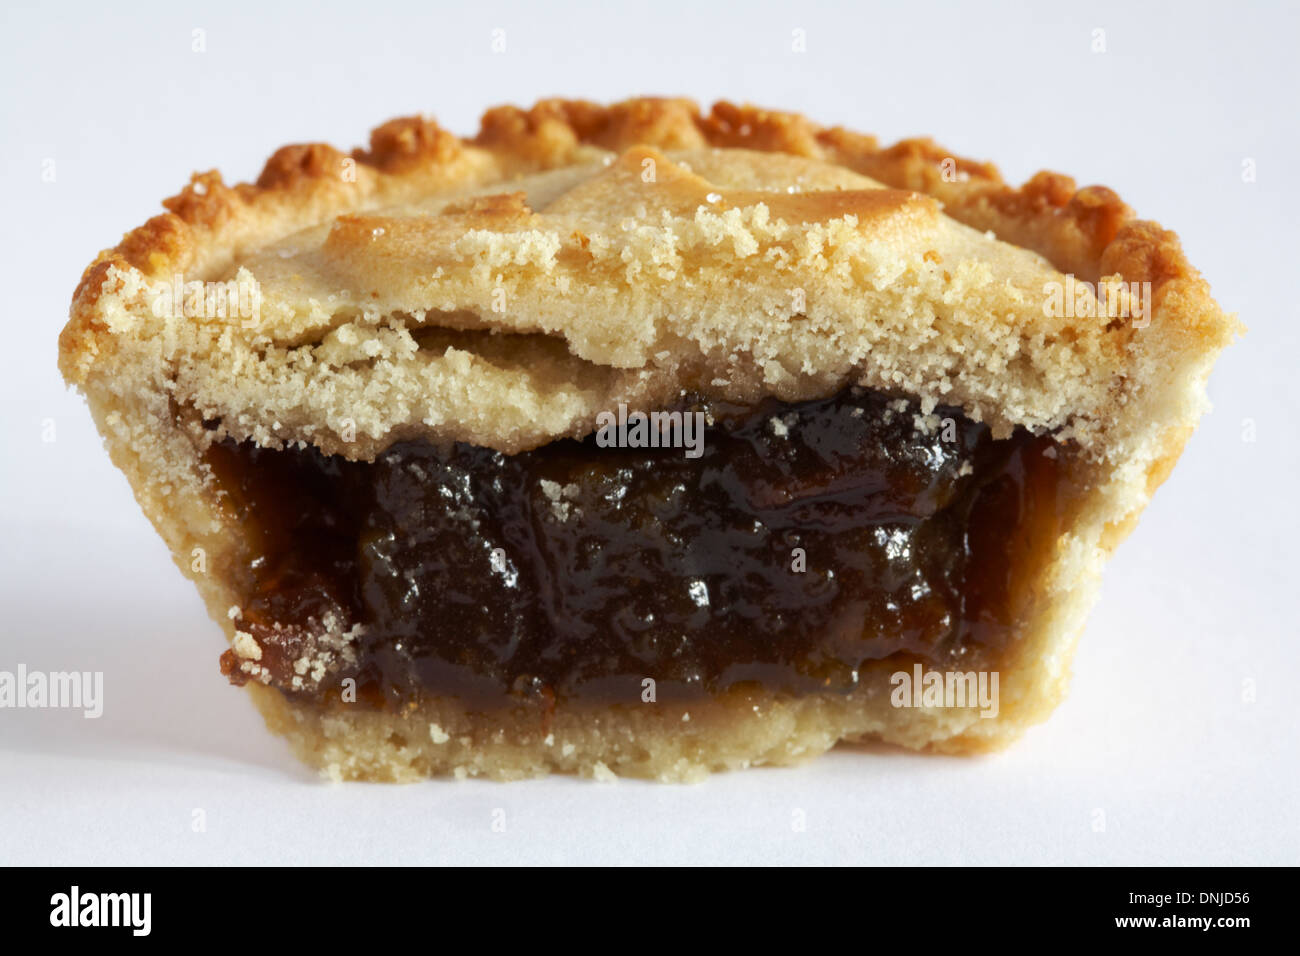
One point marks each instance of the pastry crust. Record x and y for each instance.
(503, 290)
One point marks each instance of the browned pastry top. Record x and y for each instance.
(503, 290)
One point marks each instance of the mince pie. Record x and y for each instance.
(629, 440)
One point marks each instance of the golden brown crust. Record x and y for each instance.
(1072, 228)
(552, 191)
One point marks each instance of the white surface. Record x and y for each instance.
(1201, 599)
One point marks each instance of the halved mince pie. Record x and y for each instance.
(632, 440)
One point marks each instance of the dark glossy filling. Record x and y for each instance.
(807, 540)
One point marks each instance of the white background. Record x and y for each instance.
(1201, 599)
